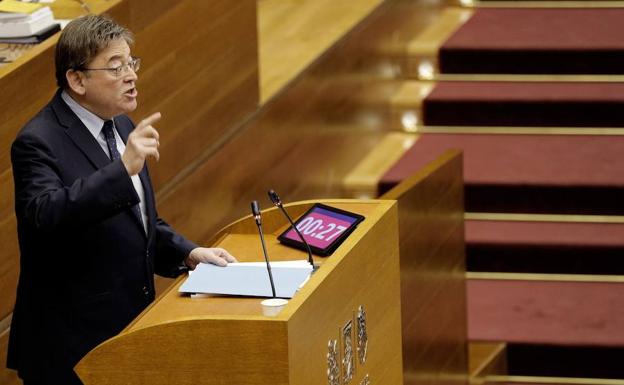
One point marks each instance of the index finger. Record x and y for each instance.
(153, 118)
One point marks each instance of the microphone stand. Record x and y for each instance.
(278, 202)
(255, 210)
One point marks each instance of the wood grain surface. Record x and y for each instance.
(433, 293)
(486, 358)
(294, 33)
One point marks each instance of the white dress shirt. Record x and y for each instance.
(94, 124)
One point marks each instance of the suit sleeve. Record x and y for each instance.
(171, 250)
(44, 202)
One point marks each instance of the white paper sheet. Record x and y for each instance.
(248, 279)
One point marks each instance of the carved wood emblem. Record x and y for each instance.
(348, 355)
(333, 367)
(362, 336)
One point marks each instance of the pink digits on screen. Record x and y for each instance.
(319, 230)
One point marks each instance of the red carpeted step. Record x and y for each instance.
(539, 312)
(528, 173)
(544, 247)
(537, 41)
(535, 104)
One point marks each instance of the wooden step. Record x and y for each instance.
(575, 312)
(361, 181)
(534, 104)
(486, 358)
(545, 247)
(408, 103)
(537, 41)
(570, 174)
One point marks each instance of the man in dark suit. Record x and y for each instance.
(89, 235)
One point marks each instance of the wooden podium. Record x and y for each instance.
(320, 337)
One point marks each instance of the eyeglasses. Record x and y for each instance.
(118, 71)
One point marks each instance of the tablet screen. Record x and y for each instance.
(323, 227)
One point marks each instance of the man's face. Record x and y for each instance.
(107, 95)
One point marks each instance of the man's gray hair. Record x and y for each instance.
(82, 39)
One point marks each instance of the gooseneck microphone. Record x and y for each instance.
(255, 211)
(278, 202)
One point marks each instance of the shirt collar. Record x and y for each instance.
(93, 122)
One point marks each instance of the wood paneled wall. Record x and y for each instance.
(433, 292)
(303, 142)
(199, 69)
(25, 89)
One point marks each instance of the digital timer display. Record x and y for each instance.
(323, 227)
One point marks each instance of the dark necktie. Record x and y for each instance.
(109, 135)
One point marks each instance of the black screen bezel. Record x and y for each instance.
(327, 251)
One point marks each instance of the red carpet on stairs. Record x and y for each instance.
(544, 247)
(564, 313)
(534, 104)
(528, 173)
(546, 174)
(537, 41)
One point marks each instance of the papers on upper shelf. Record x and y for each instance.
(33, 39)
(248, 279)
(25, 24)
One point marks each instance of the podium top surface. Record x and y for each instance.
(241, 239)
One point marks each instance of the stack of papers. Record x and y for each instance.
(23, 20)
(248, 279)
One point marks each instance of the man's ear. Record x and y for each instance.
(75, 80)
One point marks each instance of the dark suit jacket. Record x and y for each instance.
(86, 264)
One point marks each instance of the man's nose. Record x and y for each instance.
(130, 75)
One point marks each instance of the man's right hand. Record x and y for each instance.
(142, 142)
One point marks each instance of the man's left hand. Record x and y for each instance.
(215, 255)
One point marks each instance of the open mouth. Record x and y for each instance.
(131, 93)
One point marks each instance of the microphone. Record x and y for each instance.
(255, 211)
(278, 202)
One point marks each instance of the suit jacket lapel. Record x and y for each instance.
(78, 133)
(83, 139)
